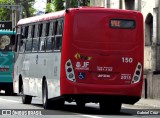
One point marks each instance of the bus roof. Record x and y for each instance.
(60, 14)
(48, 16)
(7, 32)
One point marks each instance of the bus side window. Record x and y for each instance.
(26, 31)
(18, 38)
(42, 44)
(59, 27)
(51, 36)
(22, 39)
(12, 42)
(29, 39)
(47, 28)
(35, 38)
(58, 36)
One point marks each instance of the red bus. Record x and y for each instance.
(81, 55)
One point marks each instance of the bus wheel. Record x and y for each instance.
(46, 102)
(80, 104)
(110, 107)
(26, 99)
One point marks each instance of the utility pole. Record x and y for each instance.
(67, 3)
(120, 4)
(17, 11)
(107, 3)
(78, 2)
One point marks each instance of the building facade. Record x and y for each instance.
(151, 14)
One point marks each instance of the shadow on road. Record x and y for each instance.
(68, 109)
(3, 94)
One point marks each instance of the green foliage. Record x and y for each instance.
(49, 7)
(58, 5)
(5, 13)
(31, 11)
(6, 1)
(73, 3)
(27, 6)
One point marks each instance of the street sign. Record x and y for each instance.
(5, 25)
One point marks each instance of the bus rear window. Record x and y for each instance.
(122, 23)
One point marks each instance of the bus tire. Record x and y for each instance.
(26, 99)
(110, 107)
(46, 102)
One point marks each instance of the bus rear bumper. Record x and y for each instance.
(129, 94)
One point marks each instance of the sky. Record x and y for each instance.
(40, 5)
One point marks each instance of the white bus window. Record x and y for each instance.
(58, 36)
(51, 38)
(42, 44)
(21, 44)
(36, 32)
(30, 32)
(58, 43)
(52, 28)
(35, 38)
(35, 44)
(40, 30)
(23, 31)
(47, 28)
(24, 35)
(43, 30)
(50, 43)
(26, 31)
(33, 30)
(29, 39)
(28, 45)
(59, 27)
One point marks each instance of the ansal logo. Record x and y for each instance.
(82, 65)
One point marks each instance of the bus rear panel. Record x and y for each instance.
(103, 56)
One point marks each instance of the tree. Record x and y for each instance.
(49, 6)
(28, 10)
(56, 5)
(5, 13)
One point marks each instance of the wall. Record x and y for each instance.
(152, 86)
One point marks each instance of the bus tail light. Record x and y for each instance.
(69, 71)
(137, 73)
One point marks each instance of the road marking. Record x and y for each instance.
(9, 100)
(90, 116)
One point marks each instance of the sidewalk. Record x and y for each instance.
(152, 103)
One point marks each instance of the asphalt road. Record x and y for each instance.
(13, 105)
